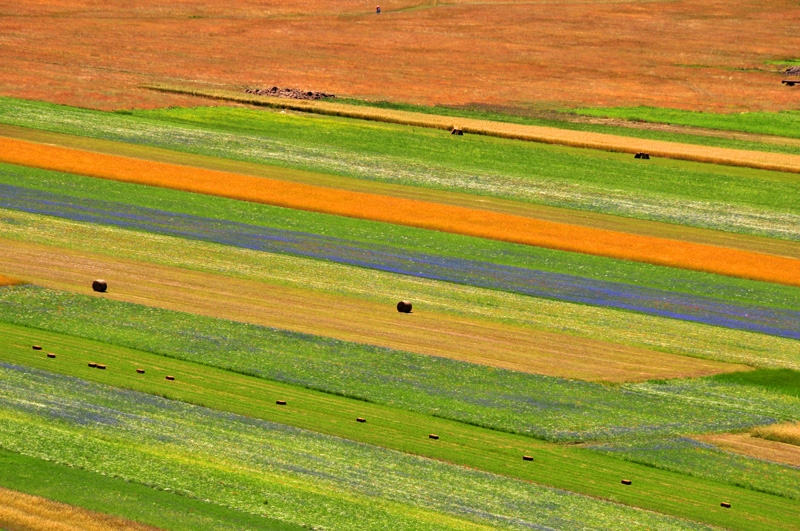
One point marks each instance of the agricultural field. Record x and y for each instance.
(221, 310)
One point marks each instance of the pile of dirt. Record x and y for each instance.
(295, 94)
(793, 71)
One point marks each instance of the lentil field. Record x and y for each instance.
(247, 366)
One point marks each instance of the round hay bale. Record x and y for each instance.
(100, 285)
(170, 378)
(404, 307)
(527, 458)
(92, 364)
(432, 436)
(37, 347)
(140, 371)
(281, 402)
(359, 419)
(102, 367)
(51, 355)
(626, 482)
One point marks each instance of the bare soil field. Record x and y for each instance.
(425, 332)
(745, 444)
(702, 55)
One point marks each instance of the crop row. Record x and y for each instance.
(355, 286)
(290, 474)
(580, 139)
(705, 196)
(541, 406)
(371, 234)
(570, 288)
(700, 459)
(446, 218)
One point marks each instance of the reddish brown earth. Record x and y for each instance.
(698, 54)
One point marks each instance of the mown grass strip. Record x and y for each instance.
(569, 468)
(518, 208)
(445, 218)
(715, 155)
(132, 501)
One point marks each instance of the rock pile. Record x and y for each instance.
(295, 94)
(793, 71)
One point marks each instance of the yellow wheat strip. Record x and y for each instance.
(24, 512)
(786, 433)
(447, 218)
(549, 135)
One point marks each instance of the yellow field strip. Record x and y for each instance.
(348, 318)
(548, 135)
(24, 512)
(8, 281)
(745, 444)
(459, 220)
(504, 206)
(787, 432)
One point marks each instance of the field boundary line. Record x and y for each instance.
(414, 213)
(533, 133)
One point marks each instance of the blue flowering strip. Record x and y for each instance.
(569, 288)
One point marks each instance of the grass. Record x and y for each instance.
(671, 191)
(564, 467)
(785, 381)
(291, 474)
(121, 497)
(446, 218)
(699, 459)
(351, 285)
(785, 123)
(560, 410)
(366, 233)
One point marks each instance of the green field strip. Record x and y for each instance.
(365, 232)
(119, 497)
(564, 467)
(346, 283)
(494, 204)
(707, 195)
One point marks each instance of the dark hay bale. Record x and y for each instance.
(456, 131)
(359, 419)
(645, 156)
(92, 364)
(281, 402)
(170, 378)
(140, 371)
(51, 355)
(432, 436)
(404, 307)
(790, 82)
(725, 504)
(101, 366)
(36, 347)
(100, 285)
(527, 458)
(626, 482)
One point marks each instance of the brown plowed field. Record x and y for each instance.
(697, 54)
(472, 340)
(743, 443)
(446, 218)
(23, 512)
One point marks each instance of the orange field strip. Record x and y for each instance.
(24, 512)
(424, 331)
(534, 133)
(7, 281)
(745, 242)
(484, 224)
